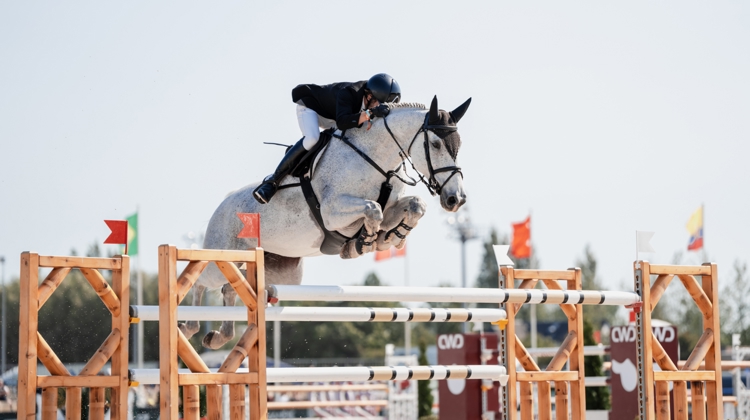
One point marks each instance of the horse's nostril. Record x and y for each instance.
(452, 201)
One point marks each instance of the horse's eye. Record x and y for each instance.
(436, 144)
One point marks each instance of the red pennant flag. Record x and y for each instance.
(382, 255)
(251, 226)
(399, 252)
(521, 245)
(119, 233)
(390, 253)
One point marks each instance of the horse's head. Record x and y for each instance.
(441, 143)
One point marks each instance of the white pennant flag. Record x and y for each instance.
(643, 241)
(501, 255)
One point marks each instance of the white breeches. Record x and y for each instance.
(310, 123)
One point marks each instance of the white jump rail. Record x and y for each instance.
(324, 314)
(552, 351)
(448, 295)
(356, 374)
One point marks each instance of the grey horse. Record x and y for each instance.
(346, 186)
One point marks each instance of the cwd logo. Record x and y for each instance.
(450, 342)
(664, 334)
(626, 334)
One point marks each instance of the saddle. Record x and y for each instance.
(333, 241)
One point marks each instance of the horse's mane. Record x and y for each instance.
(403, 105)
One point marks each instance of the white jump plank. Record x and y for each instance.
(449, 294)
(326, 314)
(358, 374)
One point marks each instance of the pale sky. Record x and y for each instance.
(598, 118)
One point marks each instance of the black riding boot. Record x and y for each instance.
(268, 187)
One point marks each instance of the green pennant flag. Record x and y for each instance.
(132, 234)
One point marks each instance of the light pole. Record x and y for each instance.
(5, 320)
(465, 232)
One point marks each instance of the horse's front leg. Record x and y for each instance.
(191, 327)
(365, 241)
(398, 221)
(216, 339)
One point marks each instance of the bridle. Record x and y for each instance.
(432, 184)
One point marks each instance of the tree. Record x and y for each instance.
(736, 303)
(596, 314)
(344, 340)
(597, 398)
(488, 272)
(424, 393)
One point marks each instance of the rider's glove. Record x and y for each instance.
(380, 111)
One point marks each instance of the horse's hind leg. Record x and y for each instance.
(398, 221)
(365, 242)
(191, 327)
(216, 339)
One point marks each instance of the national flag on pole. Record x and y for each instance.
(521, 244)
(695, 228)
(390, 253)
(251, 226)
(119, 233)
(132, 233)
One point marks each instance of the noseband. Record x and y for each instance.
(432, 184)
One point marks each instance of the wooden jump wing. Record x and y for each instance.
(115, 348)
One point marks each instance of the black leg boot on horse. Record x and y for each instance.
(270, 185)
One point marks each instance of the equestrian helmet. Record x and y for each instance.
(384, 88)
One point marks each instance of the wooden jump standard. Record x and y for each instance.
(172, 343)
(570, 392)
(33, 347)
(706, 393)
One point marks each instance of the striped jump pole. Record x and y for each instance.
(324, 314)
(449, 294)
(356, 374)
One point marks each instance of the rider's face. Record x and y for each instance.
(370, 101)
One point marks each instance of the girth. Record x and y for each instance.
(333, 241)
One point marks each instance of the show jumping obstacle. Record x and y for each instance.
(569, 384)
(252, 344)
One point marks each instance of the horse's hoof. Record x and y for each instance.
(344, 254)
(208, 340)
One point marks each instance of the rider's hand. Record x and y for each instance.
(380, 111)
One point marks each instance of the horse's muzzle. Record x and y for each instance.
(454, 202)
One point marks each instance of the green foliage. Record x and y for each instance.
(595, 314)
(151, 329)
(349, 340)
(424, 394)
(735, 304)
(597, 398)
(489, 270)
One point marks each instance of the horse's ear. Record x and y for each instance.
(459, 112)
(434, 116)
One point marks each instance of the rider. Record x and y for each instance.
(342, 105)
